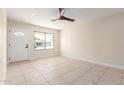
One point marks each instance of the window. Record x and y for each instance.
(39, 40)
(49, 41)
(43, 40)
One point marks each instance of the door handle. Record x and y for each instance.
(26, 46)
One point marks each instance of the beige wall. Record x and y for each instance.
(101, 41)
(3, 42)
(33, 54)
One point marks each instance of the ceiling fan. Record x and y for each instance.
(62, 17)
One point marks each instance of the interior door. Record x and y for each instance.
(17, 45)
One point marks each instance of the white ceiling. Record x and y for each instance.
(42, 16)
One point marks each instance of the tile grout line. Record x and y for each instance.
(61, 75)
(122, 78)
(75, 68)
(57, 76)
(27, 72)
(41, 74)
(101, 76)
(24, 77)
(25, 80)
(82, 75)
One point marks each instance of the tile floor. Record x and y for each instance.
(62, 71)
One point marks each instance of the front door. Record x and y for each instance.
(17, 45)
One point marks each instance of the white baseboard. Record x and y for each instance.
(96, 62)
(37, 57)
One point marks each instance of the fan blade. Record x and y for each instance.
(55, 19)
(61, 11)
(69, 19)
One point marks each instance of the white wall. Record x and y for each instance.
(3, 46)
(101, 41)
(33, 54)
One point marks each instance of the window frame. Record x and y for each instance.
(45, 41)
